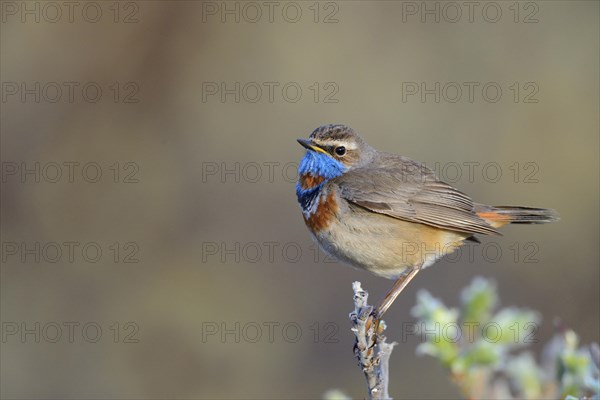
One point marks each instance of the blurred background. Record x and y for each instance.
(152, 246)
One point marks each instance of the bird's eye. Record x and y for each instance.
(340, 150)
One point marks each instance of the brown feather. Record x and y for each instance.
(407, 190)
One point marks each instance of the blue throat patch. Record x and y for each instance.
(316, 164)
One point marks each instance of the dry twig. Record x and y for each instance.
(370, 348)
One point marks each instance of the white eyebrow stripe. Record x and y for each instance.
(336, 143)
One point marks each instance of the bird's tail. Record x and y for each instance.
(498, 216)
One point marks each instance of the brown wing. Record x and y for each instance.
(407, 190)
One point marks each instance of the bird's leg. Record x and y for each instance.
(389, 298)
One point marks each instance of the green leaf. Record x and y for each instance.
(483, 353)
(512, 327)
(478, 300)
(525, 375)
(428, 308)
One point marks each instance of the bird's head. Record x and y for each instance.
(333, 150)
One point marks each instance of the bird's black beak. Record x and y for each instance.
(310, 146)
(306, 143)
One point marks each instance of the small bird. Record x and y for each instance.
(386, 213)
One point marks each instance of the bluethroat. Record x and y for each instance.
(386, 213)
